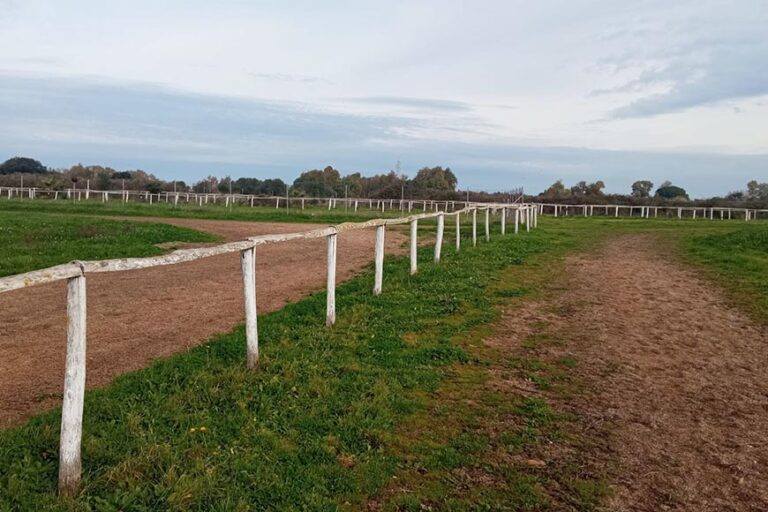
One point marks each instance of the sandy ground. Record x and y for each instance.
(678, 376)
(137, 316)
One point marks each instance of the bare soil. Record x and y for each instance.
(137, 316)
(676, 379)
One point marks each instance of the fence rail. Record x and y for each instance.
(703, 212)
(75, 274)
(205, 198)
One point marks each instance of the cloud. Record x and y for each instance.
(705, 61)
(292, 78)
(186, 136)
(413, 103)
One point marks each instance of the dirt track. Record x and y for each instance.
(137, 316)
(678, 375)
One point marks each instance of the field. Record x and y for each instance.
(533, 372)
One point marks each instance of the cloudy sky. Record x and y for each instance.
(506, 93)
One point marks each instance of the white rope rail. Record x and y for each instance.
(75, 274)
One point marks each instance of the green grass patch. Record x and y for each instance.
(32, 240)
(312, 429)
(738, 260)
(311, 213)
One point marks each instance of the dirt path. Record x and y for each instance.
(680, 377)
(137, 316)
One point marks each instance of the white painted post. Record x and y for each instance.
(517, 220)
(474, 227)
(330, 310)
(248, 265)
(487, 224)
(439, 240)
(528, 219)
(458, 232)
(414, 244)
(379, 260)
(503, 221)
(74, 389)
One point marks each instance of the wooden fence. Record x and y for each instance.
(75, 273)
(680, 212)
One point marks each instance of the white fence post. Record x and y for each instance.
(487, 224)
(527, 219)
(74, 389)
(330, 310)
(248, 264)
(517, 220)
(458, 232)
(503, 221)
(414, 242)
(474, 227)
(439, 240)
(379, 260)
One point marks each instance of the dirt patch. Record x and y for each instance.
(137, 316)
(677, 375)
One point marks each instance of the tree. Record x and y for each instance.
(251, 186)
(154, 187)
(671, 191)
(642, 188)
(431, 180)
(757, 191)
(556, 191)
(224, 184)
(21, 164)
(317, 183)
(274, 187)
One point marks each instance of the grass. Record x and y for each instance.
(210, 211)
(738, 260)
(394, 406)
(311, 429)
(33, 240)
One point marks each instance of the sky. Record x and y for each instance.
(505, 93)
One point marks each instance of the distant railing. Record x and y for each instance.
(203, 198)
(76, 271)
(617, 210)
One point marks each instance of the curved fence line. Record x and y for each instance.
(75, 274)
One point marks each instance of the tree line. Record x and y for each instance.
(428, 183)
(642, 192)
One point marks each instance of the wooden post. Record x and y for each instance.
(248, 264)
(330, 310)
(74, 389)
(487, 224)
(379, 260)
(474, 227)
(458, 232)
(439, 240)
(517, 220)
(528, 219)
(414, 243)
(503, 221)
